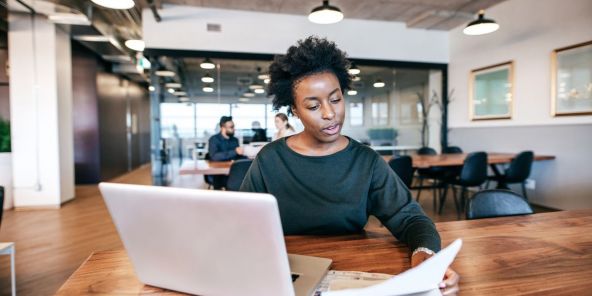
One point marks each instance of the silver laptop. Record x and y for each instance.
(209, 242)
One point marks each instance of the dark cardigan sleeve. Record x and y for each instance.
(391, 202)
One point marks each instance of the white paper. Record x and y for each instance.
(423, 279)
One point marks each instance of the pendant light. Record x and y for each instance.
(325, 14)
(115, 4)
(207, 78)
(353, 70)
(352, 92)
(379, 83)
(481, 25)
(135, 44)
(207, 64)
(207, 88)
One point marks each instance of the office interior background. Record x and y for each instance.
(84, 107)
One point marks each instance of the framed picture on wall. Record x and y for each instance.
(571, 80)
(491, 92)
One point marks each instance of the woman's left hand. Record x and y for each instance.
(449, 286)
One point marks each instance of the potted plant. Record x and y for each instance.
(6, 163)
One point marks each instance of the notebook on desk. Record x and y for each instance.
(209, 242)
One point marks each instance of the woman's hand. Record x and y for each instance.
(449, 286)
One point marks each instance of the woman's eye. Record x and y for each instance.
(312, 108)
(335, 100)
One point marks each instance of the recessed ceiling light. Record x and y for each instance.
(325, 14)
(151, 88)
(263, 76)
(183, 99)
(379, 83)
(244, 99)
(259, 91)
(208, 89)
(255, 86)
(165, 73)
(180, 93)
(173, 85)
(115, 4)
(352, 92)
(207, 64)
(207, 78)
(171, 90)
(135, 44)
(481, 25)
(266, 81)
(69, 19)
(353, 70)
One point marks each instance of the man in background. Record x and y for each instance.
(224, 146)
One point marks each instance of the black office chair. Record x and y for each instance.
(433, 173)
(497, 203)
(209, 179)
(517, 172)
(452, 150)
(238, 171)
(403, 167)
(473, 173)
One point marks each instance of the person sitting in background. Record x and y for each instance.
(325, 182)
(224, 146)
(284, 129)
(259, 134)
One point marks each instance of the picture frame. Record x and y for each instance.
(491, 92)
(571, 80)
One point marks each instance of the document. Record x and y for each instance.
(420, 280)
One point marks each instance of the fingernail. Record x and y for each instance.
(442, 285)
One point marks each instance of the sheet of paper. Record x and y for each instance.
(422, 280)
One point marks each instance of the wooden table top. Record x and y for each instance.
(205, 167)
(548, 253)
(426, 161)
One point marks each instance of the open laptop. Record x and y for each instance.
(209, 242)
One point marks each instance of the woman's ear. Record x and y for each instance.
(293, 109)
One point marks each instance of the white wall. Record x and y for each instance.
(529, 31)
(40, 109)
(184, 27)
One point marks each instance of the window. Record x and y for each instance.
(243, 115)
(208, 118)
(379, 113)
(179, 115)
(356, 114)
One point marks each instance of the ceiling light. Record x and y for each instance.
(207, 78)
(244, 99)
(325, 14)
(249, 94)
(208, 89)
(151, 88)
(356, 78)
(115, 4)
(352, 92)
(165, 73)
(263, 76)
(92, 38)
(481, 26)
(266, 81)
(69, 19)
(173, 85)
(180, 93)
(183, 99)
(255, 86)
(353, 70)
(207, 64)
(259, 91)
(135, 44)
(379, 83)
(171, 90)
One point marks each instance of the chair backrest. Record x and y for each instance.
(1, 203)
(496, 203)
(452, 150)
(403, 167)
(519, 169)
(238, 171)
(474, 170)
(426, 151)
(209, 179)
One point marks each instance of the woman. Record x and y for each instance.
(324, 182)
(284, 129)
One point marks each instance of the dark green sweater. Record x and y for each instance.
(335, 194)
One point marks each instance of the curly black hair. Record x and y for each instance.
(310, 56)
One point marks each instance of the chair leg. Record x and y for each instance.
(461, 203)
(443, 198)
(487, 184)
(419, 190)
(524, 191)
(435, 192)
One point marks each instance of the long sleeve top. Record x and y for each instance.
(335, 194)
(221, 148)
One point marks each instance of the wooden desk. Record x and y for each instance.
(548, 253)
(205, 167)
(426, 161)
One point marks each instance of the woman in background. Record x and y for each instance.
(284, 129)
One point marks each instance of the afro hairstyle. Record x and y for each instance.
(310, 56)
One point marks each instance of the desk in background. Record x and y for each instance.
(548, 253)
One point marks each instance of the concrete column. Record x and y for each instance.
(40, 112)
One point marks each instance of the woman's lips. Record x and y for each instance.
(332, 129)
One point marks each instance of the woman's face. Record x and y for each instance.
(279, 123)
(318, 102)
